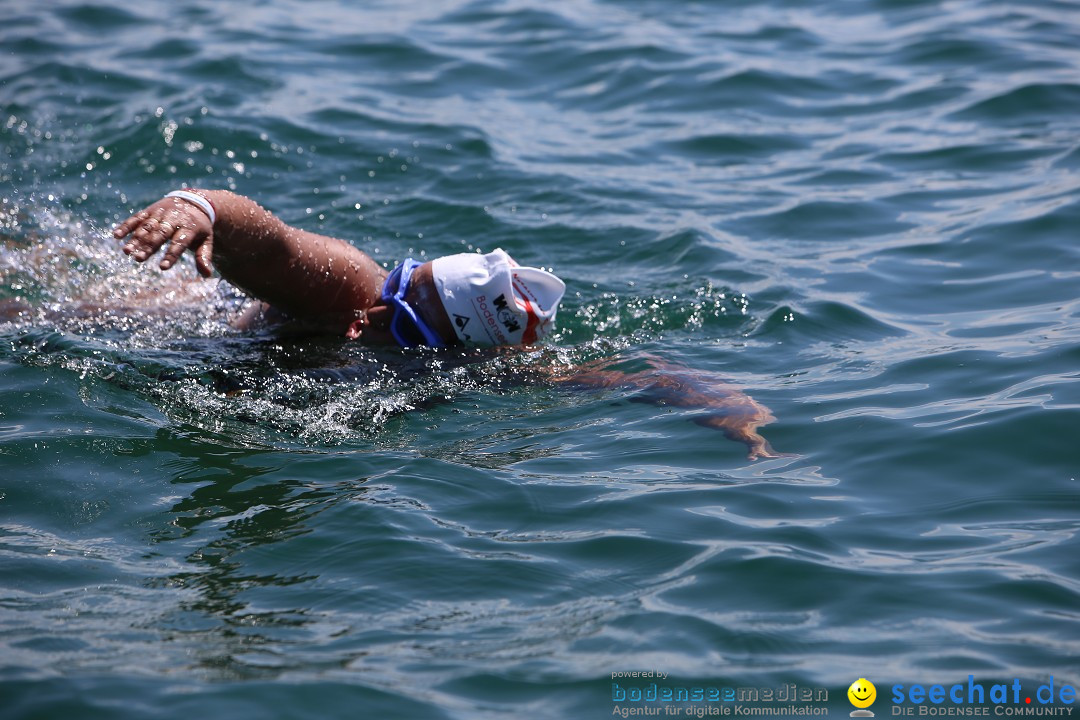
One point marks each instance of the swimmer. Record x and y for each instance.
(330, 285)
(465, 300)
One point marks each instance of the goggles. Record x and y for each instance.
(406, 326)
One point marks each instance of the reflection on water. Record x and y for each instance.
(232, 512)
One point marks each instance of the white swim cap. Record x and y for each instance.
(491, 300)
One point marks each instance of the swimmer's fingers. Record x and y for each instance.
(148, 234)
(204, 256)
(128, 226)
(143, 220)
(187, 238)
(169, 220)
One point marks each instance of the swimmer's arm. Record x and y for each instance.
(729, 409)
(304, 274)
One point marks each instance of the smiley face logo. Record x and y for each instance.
(862, 694)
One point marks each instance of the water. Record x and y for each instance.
(863, 213)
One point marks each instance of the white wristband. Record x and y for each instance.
(196, 199)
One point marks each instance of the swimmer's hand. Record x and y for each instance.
(174, 221)
(742, 427)
(728, 409)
